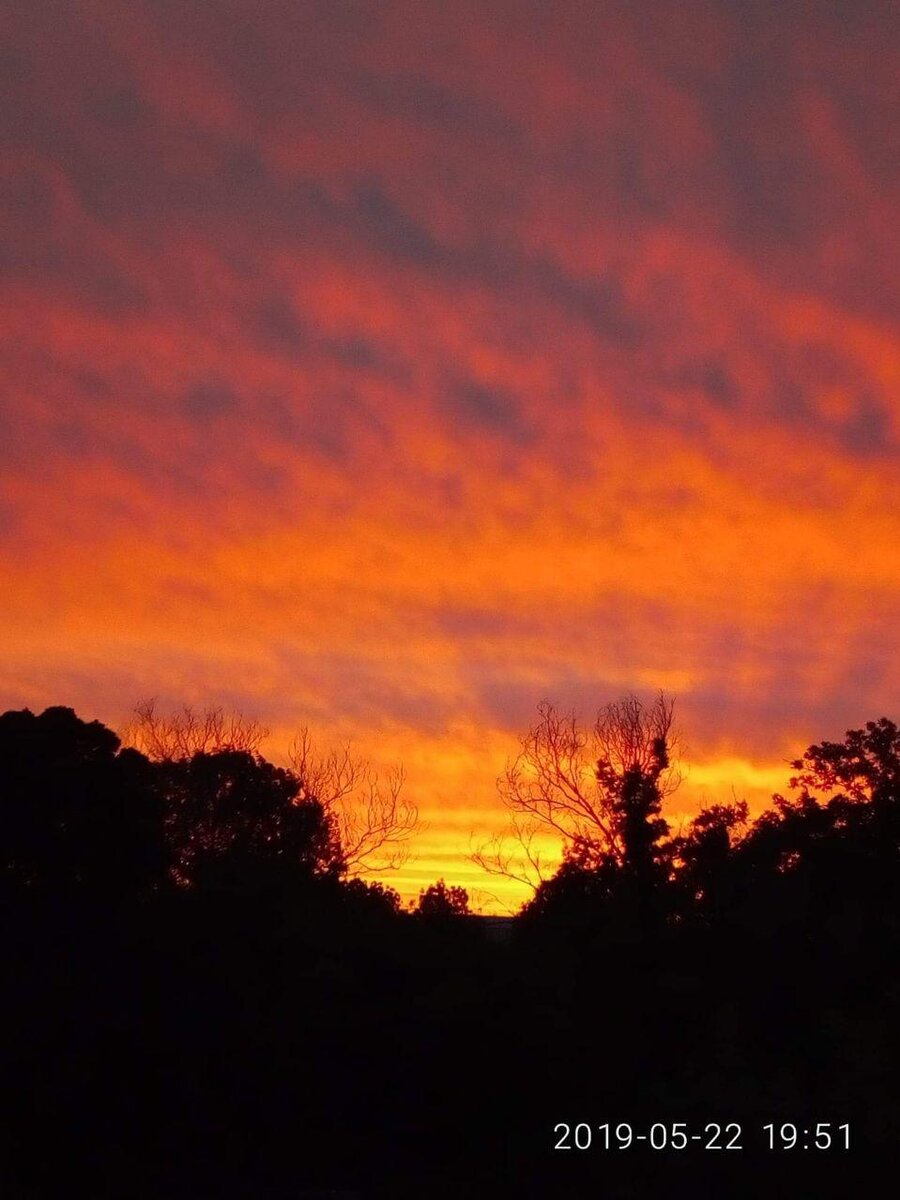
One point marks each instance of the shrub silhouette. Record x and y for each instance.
(438, 902)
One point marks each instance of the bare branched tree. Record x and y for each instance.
(629, 735)
(374, 820)
(592, 790)
(516, 853)
(179, 735)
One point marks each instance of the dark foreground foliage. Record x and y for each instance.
(199, 1004)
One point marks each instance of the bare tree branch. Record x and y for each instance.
(569, 783)
(628, 735)
(179, 735)
(513, 854)
(373, 818)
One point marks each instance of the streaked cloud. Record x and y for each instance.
(391, 367)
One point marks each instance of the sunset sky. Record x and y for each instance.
(390, 367)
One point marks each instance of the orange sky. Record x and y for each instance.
(390, 367)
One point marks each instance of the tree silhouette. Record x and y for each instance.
(582, 890)
(438, 902)
(862, 773)
(374, 895)
(186, 731)
(816, 860)
(772, 950)
(77, 811)
(598, 792)
(703, 858)
(368, 814)
(864, 767)
(231, 817)
(373, 819)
